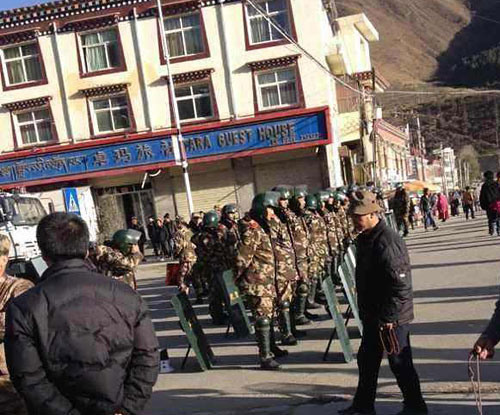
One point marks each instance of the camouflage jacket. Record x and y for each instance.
(333, 232)
(286, 267)
(231, 241)
(183, 247)
(346, 224)
(10, 287)
(112, 263)
(401, 204)
(210, 248)
(299, 232)
(318, 242)
(255, 263)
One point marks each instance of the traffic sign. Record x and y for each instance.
(71, 200)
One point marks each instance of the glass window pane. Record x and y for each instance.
(12, 53)
(194, 43)
(121, 119)
(15, 72)
(287, 75)
(183, 91)
(28, 134)
(104, 121)
(42, 114)
(288, 93)
(172, 23)
(33, 69)
(30, 49)
(120, 101)
(109, 35)
(186, 109)
(95, 57)
(90, 39)
(282, 21)
(44, 131)
(175, 44)
(251, 11)
(114, 55)
(204, 107)
(276, 5)
(191, 20)
(267, 78)
(260, 30)
(101, 104)
(270, 96)
(24, 117)
(201, 89)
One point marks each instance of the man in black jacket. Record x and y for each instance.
(490, 194)
(385, 300)
(79, 343)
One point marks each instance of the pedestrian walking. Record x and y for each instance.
(385, 300)
(442, 207)
(135, 225)
(10, 287)
(455, 203)
(489, 199)
(401, 205)
(79, 343)
(170, 230)
(427, 210)
(468, 203)
(162, 240)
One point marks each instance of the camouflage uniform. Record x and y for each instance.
(255, 269)
(112, 263)
(347, 227)
(231, 241)
(184, 252)
(318, 244)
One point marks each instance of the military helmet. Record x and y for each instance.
(322, 196)
(285, 191)
(352, 188)
(211, 219)
(339, 196)
(342, 189)
(229, 208)
(125, 238)
(264, 200)
(300, 191)
(331, 192)
(311, 202)
(399, 186)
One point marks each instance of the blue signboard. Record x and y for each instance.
(71, 200)
(234, 139)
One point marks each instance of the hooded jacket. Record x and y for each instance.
(383, 277)
(81, 343)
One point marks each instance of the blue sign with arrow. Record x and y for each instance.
(71, 201)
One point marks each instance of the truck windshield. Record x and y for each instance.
(26, 211)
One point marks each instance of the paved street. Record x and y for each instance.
(456, 276)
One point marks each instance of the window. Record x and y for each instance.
(261, 29)
(110, 114)
(101, 50)
(183, 35)
(21, 64)
(35, 126)
(277, 88)
(194, 102)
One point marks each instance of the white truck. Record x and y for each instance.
(19, 217)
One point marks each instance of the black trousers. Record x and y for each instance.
(468, 209)
(370, 356)
(493, 221)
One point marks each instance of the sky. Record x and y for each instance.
(12, 4)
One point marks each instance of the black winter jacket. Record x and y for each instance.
(489, 193)
(79, 343)
(383, 277)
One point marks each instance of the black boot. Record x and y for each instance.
(320, 294)
(287, 337)
(298, 334)
(300, 305)
(263, 337)
(275, 350)
(311, 304)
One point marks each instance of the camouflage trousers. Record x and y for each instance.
(402, 222)
(303, 266)
(284, 290)
(199, 276)
(261, 299)
(185, 274)
(216, 298)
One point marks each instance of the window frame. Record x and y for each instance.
(258, 106)
(28, 84)
(94, 132)
(18, 140)
(202, 55)
(82, 64)
(247, 28)
(213, 101)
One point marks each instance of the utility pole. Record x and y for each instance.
(171, 89)
(421, 147)
(496, 121)
(443, 172)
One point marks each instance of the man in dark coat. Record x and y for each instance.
(79, 343)
(385, 300)
(488, 198)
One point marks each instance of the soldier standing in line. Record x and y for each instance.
(256, 273)
(318, 249)
(229, 223)
(347, 225)
(401, 203)
(121, 259)
(286, 267)
(184, 251)
(210, 244)
(334, 229)
(300, 234)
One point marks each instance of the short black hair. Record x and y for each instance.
(63, 236)
(488, 174)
